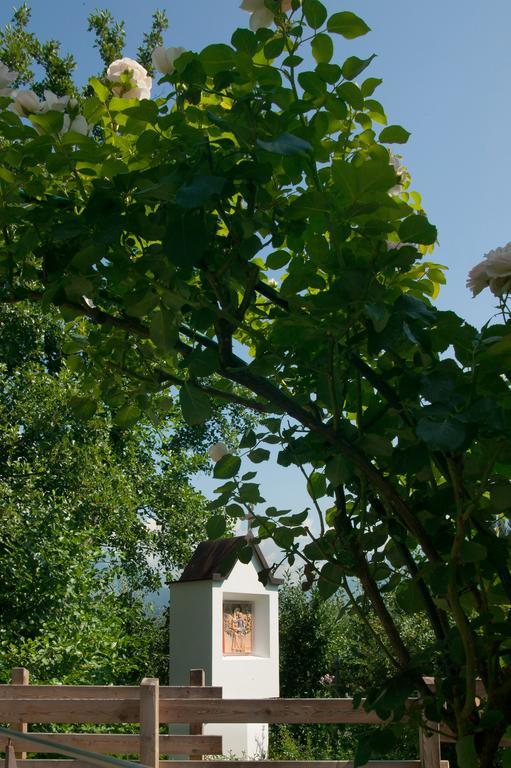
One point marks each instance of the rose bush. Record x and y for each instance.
(157, 236)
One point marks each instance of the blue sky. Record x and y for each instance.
(446, 66)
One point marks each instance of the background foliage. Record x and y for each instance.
(94, 516)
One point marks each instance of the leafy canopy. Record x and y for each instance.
(248, 236)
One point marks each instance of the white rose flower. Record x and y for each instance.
(7, 77)
(477, 278)
(395, 162)
(80, 125)
(164, 58)
(494, 271)
(140, 80)
(261, 16)
(26, 103)
(77, 124)
(218, 451)
(54, 103)
(272, 283)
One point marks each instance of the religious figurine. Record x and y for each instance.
(238, 628)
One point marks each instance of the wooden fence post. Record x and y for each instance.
(10, 756)
(20, 676)
(429, 742)
(197, 677)
(150, 722)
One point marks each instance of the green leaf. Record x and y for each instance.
(354, 66)
(163, 330)
(199, 191)
(315, 13)
(417, 229)
(394, 134)
(249, 439)
(316, 485)
(408, 597)
(245, 555)
(258, 455)
(312, 83)
(7, 176)
(338, 470)
(376, 444)
(227, 466)
(500, 495)
(244, 40)
(83, 407)
(363, 182)
(187, 237)
(292, 61)
(441, 435)
(145, 111)
(140, 302)
(216, 58)
(283, 537)
(363, 752)
(330, 579)
(249, 493)
(100, 89)
(322, 48)
(127, 416)
(51, 122)
(330, 73)
(202, 362)
(351, 93)
(472, 552)
(466, 752)
(379, 316)
(298, 519)
(278, 259)
(347, 24)
(285, 144)
(369, 86)
(195, 404)
(216, 527)
(274, 47)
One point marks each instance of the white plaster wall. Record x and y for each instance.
(190, 630)
(247, 677)
(196, 634)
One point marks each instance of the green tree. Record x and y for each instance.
(21, 50)
(160, 239)
(77, 494)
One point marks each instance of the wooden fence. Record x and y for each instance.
(151, 705)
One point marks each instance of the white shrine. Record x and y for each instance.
(225, 621)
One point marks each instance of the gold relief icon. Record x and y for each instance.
(238, 629)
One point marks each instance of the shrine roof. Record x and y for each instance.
(214, 560)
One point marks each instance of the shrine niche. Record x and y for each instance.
(225, 620)
(238, 629)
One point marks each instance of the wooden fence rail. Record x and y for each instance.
(151, 705)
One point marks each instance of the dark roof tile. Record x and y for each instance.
(213, 558)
